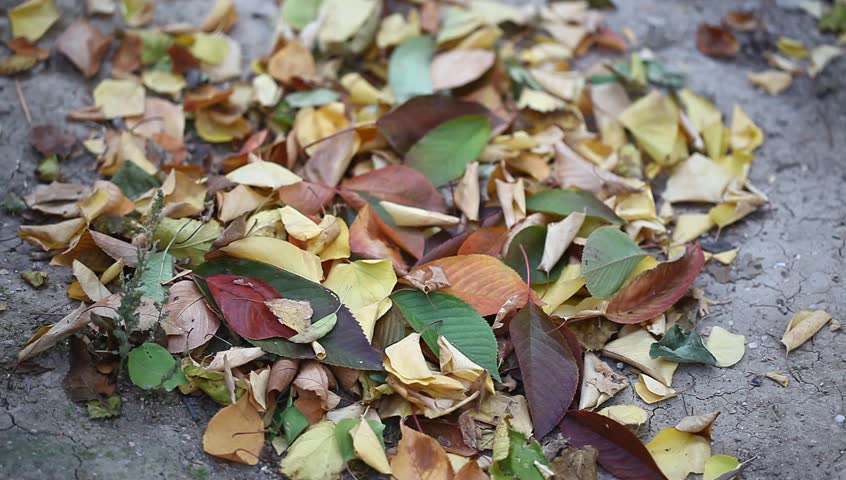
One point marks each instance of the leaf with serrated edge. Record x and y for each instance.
(549, 369)
(455, 320)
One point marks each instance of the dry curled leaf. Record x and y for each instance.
(716, 41)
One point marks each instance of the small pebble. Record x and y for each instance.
(756, 381)
(753, 345)
(731, 323)
(840, 419)
(620, 365)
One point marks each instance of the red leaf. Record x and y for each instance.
(406, 124)
(578, 355)
(243, 308)
(398, 184)
(548, 367)
(654, 291)
(716, 41)
(309, 198)
(368, 239)
(480, 280)
(620, 451)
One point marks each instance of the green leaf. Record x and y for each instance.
(661, 75)
(12, 204)
(520, 462)
(681, 346)
(344, 439)
(48, 169)
(104, 408)
(151, 366)
(532, 239)
(312, 98)
(408, 68)
(154, 45)
(187, 238)
(835, 20)
(565, 202)
(608, 258)
(444, 152)
(453, 318)
(158, 267)
(294, 423)
(300, 13)
(134, 181)
(345, 345)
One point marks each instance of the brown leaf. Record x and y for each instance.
(189, 322)
(481, 280)
(455, 68)
(84, 380)
(471, 471)
(448, 434)
(371, 238)
(575, 464)
(84, 45)
(236, 433)
(398, 184)
(22, 46)
(316, 378)
(282, 373)
(654, 291)
(127, 57)
(51, 140)
(486, 241)
(291, 62)
(407, 123)
(420, 457)
(716, 41)
(307, 197)
(741, 20)
(332, 158)
(117, 249)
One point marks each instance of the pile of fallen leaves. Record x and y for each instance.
(429, 232)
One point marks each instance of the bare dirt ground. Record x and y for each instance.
(791, 258)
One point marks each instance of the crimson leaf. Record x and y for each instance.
(241, 301)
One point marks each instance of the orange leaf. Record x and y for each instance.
(716, 41)
(481, 280)
(487, 241)
(235, 433)
(420, 457)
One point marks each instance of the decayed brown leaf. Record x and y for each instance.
(420, 456)
(85, 46)
(189, 322)
(716, 41)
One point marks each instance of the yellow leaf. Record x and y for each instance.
(235, 433)
(634, 350)
(690, 226)
(167, 83)
(119, 98)
(562, 289)
(363, 92)
(362, 282)
(344, 19)
(33, 18)
(89, 282)
(138, 12)
(745, 135)
(405, 216)
(728, 348)
(719, 465)
(792, 47)
(698, 179)
(217, 128)
(368, 448)
(238, 201)
(278, 253)
(263, 174)
(395, 29)
(337, 247)
(822, 56)
(313, 124)
(679, 453)
(314, 455)
(654, 122)
(298, 225)
(627, 415)
(210, 48)
(54, 236)
(652, 391)
(539, 101)
(804, 325)
(727, 257)
(771, 81)
(291, 313)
